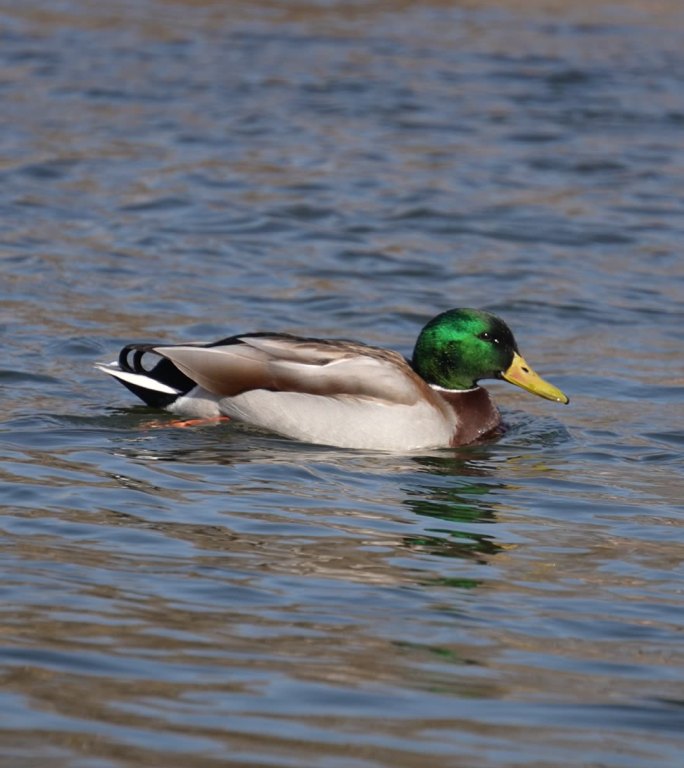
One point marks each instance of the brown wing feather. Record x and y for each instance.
(291, 364)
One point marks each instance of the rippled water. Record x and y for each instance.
(220, 596)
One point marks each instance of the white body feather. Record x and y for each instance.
(343, 421)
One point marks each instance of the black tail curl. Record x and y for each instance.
(138, 351)
(164, 371)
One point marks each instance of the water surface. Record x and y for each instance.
(221, 596)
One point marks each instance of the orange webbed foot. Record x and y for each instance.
(183, 423)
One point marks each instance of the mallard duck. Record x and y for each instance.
(341, 393)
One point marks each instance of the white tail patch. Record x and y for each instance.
(137, 379)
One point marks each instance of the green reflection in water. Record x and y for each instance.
(461, 502)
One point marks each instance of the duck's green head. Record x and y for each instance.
(461, 346)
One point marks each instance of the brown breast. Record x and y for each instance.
(477, 414)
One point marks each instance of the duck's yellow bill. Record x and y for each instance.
(520, 374)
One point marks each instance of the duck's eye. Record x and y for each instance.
(487, 336)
